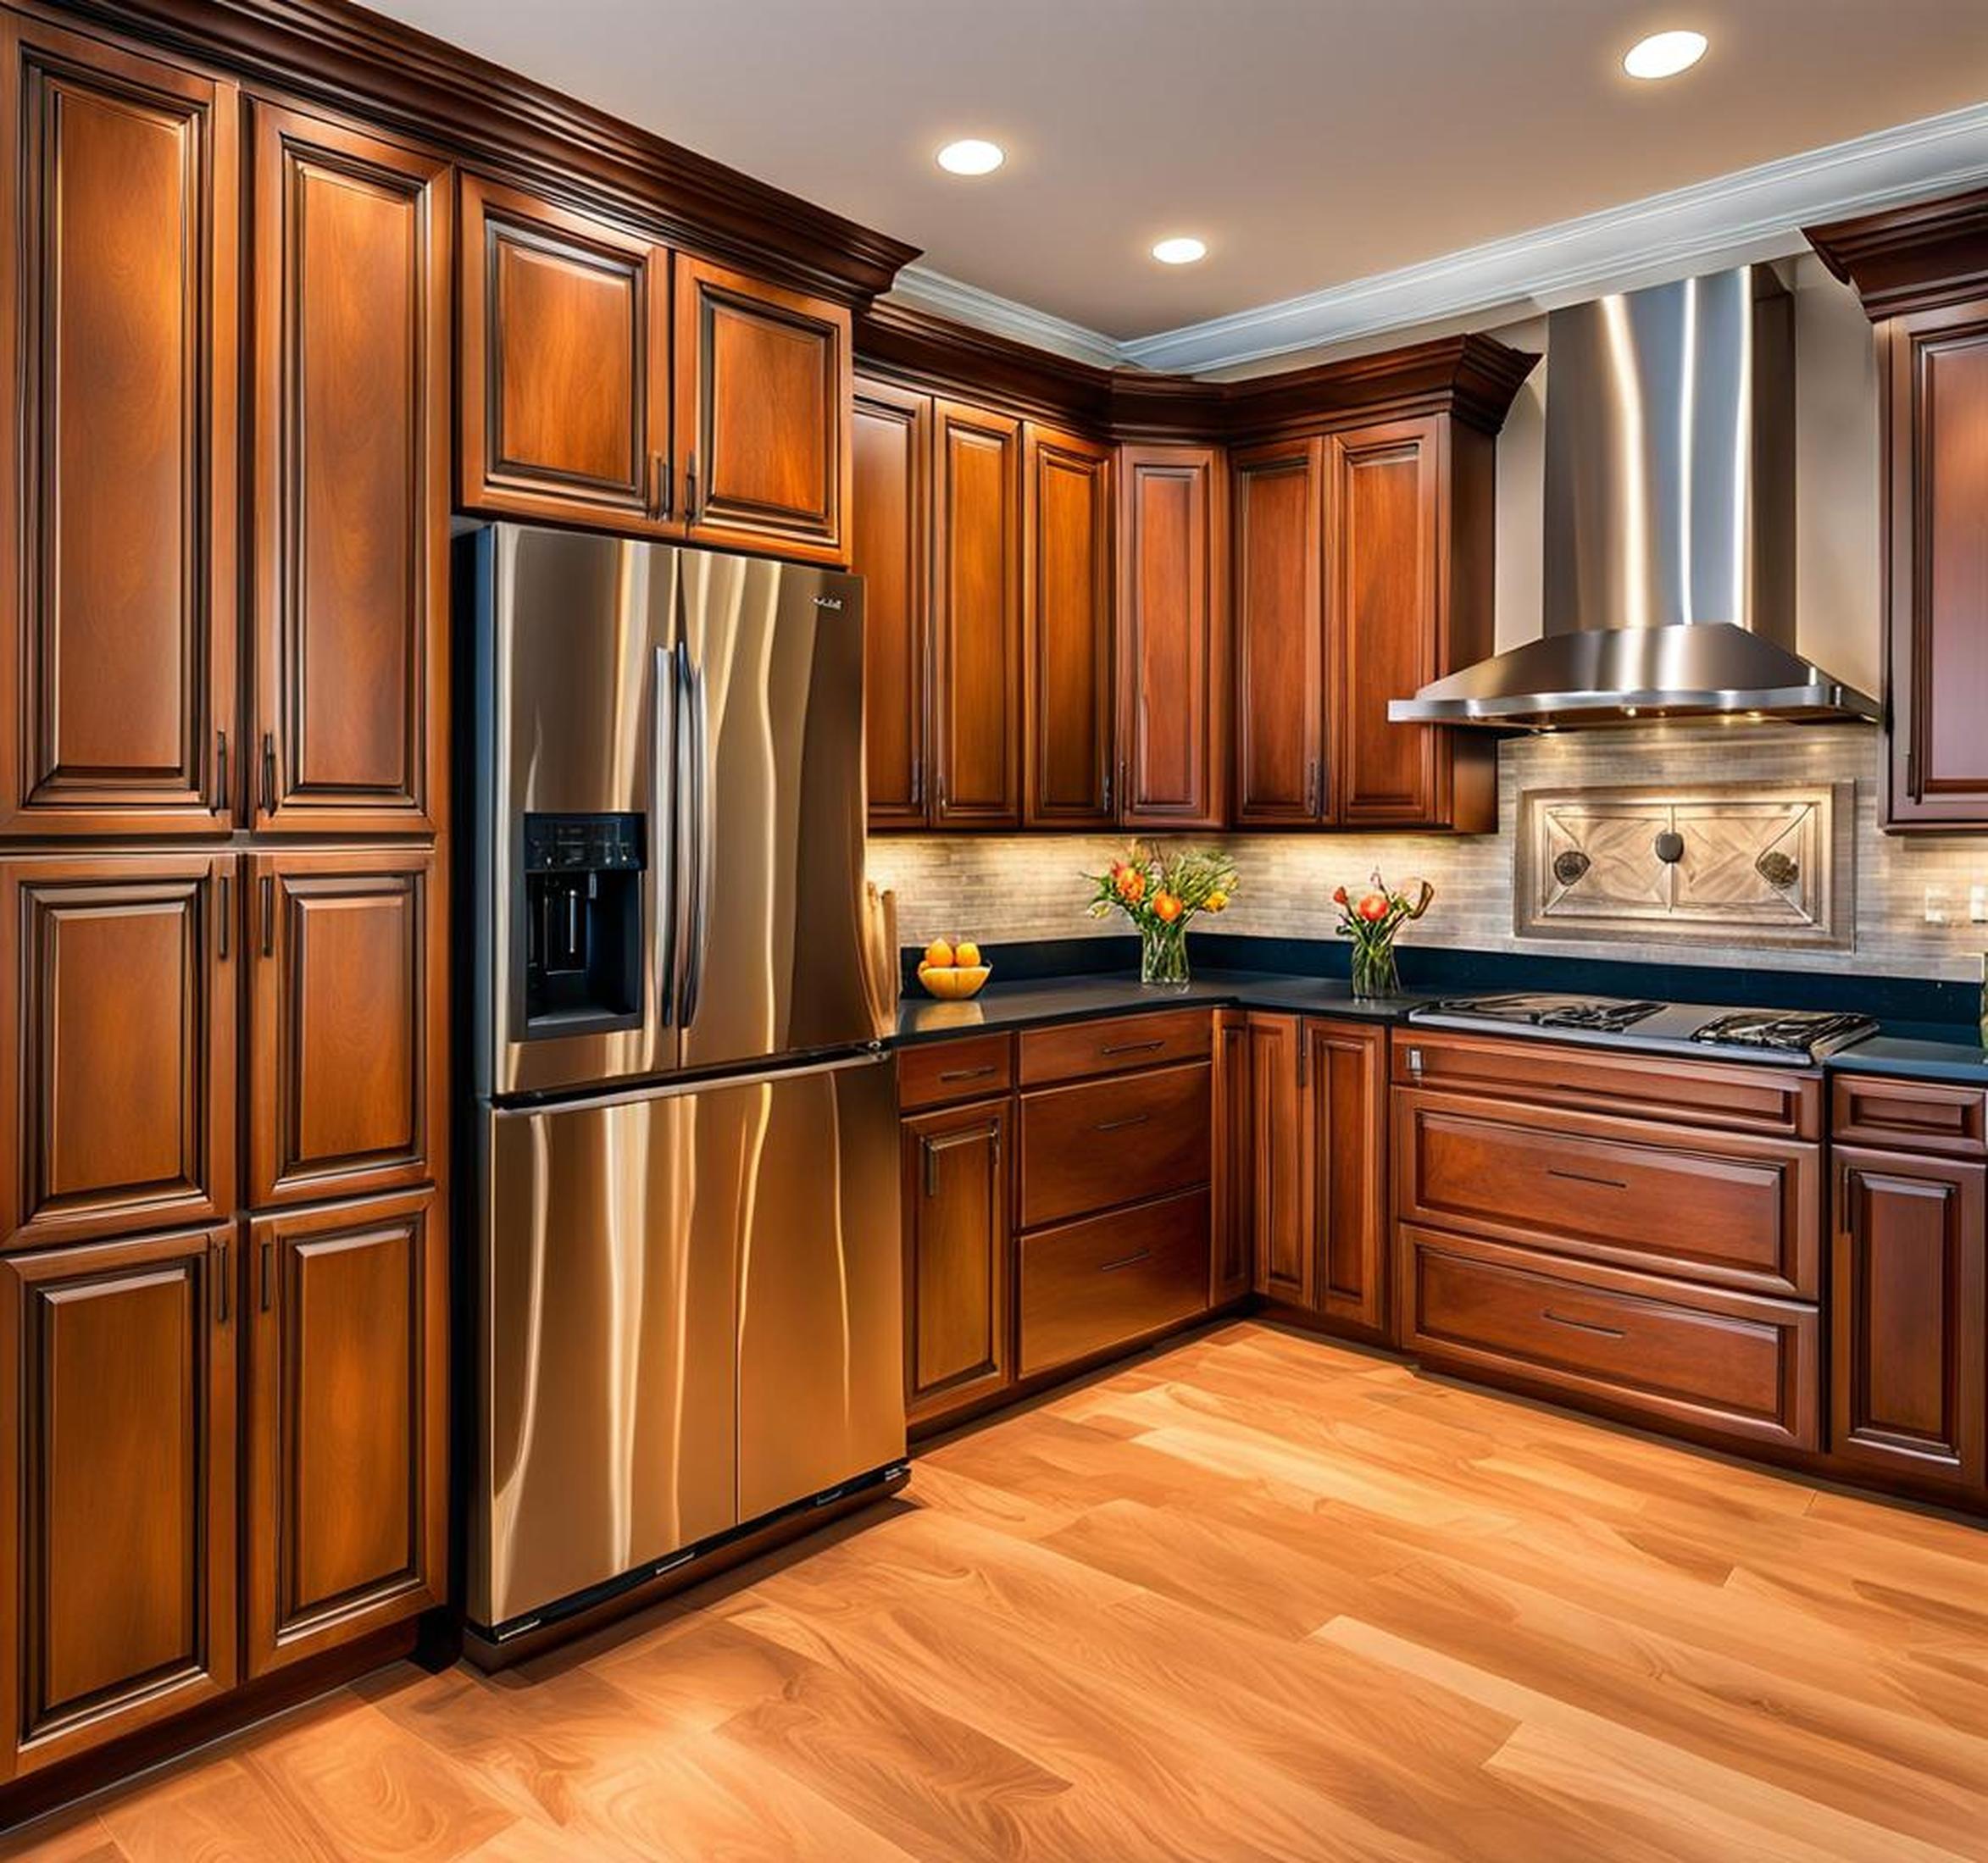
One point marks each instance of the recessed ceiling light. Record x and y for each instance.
(1181, 251)
(972, 156)
(1664, 54)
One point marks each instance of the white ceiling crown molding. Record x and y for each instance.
(1753, 213)
(930, 291)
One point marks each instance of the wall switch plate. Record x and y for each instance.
(1938, 907)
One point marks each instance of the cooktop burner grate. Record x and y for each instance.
(1609, 1015)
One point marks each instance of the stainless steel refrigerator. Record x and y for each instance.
(689, 1314)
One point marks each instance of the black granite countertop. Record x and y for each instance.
(1932, 1053)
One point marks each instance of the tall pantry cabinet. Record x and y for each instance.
(224, 522)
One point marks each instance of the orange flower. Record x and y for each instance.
(1217, 900)
(1131, 884)
(1372, 907)
(1339, 896)
(1165, 907)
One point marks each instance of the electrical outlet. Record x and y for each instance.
(1939, 906)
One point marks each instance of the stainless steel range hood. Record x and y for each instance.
(1669, 585)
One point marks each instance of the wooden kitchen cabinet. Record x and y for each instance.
(890, 547)
(1068, 711)
(350, 351)
(977, 618)
(1343, 1106)
(958, 1258)
(1283, 1261)
(1232, 1247)
(763, 388)
(1278, 504)
(346, 1528)
(1173, 643)
(1910, 1319)
(118, 996)
(118, 301)
(117, 1489)
(563, 365)
(348, 1054)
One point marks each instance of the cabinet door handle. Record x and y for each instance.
(222, 916)
(1133, 1047)
(918, 785)
(222, 1254)
(690, 489)
(1125, 1261)
(1583, 1326)
(221, 771)
(1107, 788)
(1121, 1125)
(266, 887)
(266, 1273)
(969, 1073)
(659, 479)
(1313, 802)
(1583, 1177)
(268, 772)
(951, 1141)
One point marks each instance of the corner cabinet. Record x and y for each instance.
(605, 380)
(1922, 273)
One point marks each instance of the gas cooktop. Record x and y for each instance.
(1791, 1037)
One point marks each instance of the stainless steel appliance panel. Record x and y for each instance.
(820, 1314)
(576, 671)
(770, 802)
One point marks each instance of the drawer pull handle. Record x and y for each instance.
(989, 1134)
(1582, 1176)
(1119, 1125)
(1583, 1326)
(1125, 1261)
(969, 1073)
(1133, 1047)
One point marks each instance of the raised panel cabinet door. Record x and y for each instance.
(958, 1266)
(1068, 714)
(347, 1527)
(118, 472)
(1277, 501)
(977, 618)
(350, 446)
(117, 1043)
(763, 390)
(1936, 409)
(1232, 1264)
(1911, 1317)
(347, 1024)
(563, 366)
(1344, 1110)
(117, 1489)
(1173, 639)
(1384, 517)
(890, 547)
(1283, 1263)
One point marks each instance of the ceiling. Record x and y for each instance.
(1310, 142)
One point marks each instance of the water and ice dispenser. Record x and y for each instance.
(583, 923)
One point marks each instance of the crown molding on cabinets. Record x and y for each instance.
(923, 289)
(1911, 259)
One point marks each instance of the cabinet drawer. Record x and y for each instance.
(1912, 1115)
(1109, 1047)
(1108, 1142)
(1729, 1208)
(939, 1073)
(1728, 1364)
(1739, 1095)
(1099, 1284)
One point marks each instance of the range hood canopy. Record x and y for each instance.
(1669, 567)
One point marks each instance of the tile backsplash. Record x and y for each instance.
(1017, 887)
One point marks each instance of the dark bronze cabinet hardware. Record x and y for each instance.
(1583, 1326)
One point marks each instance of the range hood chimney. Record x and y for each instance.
(1669, 587)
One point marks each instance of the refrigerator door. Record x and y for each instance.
(770, 922)
(574, 711)
(820, 1317)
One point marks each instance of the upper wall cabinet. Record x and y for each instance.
(1922, 273)
(605, 382)
(350, 540)
(117, 477)
(1067, 627)
(762, 386)
(1173, 643)
(890, 539)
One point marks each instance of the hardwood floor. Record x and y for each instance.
(1254, 1597)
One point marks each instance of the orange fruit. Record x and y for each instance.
(939, 954)
(966, 954)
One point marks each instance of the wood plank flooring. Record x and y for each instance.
(1255, 1597)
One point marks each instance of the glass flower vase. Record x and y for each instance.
(1162, 955)
(1374, 972)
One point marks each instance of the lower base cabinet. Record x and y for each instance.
(958, 1308)
(1088, 1286)
(348, 1424)
(117, 1489)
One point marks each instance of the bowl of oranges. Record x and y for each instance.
(952, 972)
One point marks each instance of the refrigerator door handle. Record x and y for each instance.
(697, 705)
(683, 832)
(874, 1056)
(666, 790)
